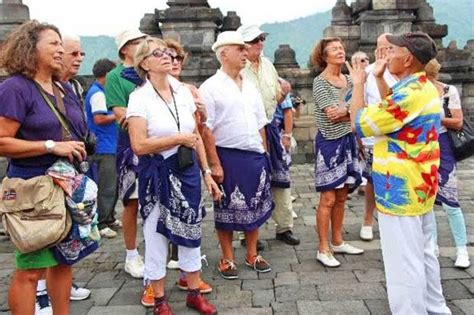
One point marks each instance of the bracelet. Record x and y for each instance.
(206, 171)
(287, 135)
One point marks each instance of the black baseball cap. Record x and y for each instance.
(420, 44)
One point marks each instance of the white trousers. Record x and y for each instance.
(156, 251)
(411, 267)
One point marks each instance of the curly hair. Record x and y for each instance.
(174, 44)
(18, 52)
(318, 53)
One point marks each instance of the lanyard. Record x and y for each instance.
(176, 117)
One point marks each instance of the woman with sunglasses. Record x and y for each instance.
(164, 136)
(178, 57)
(447, 195)
(337, 168)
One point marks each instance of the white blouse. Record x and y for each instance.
(234, 116)
(454, 102)
(144, 102)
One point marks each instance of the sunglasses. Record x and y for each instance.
(159, 53)
(260, 38)
(177, 58)
(77, 53)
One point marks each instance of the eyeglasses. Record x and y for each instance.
(77, 53)
(260, 38)
(159, 53)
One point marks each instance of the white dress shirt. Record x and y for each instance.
(144, 102)
(234, 116)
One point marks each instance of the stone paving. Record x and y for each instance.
(297, 284)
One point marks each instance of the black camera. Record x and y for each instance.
(81, 167)
(297, 101)
(90, 142)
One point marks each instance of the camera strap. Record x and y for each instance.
(60, 112)
(175, 117)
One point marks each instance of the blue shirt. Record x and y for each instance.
(106, 134)
(279, 116)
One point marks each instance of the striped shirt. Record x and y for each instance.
(325, 95)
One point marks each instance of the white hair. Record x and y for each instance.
(358, 55)
(219, 51)
(71, 37)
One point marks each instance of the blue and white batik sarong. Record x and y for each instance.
(177, 194)
(447, 183)
(280, 160)
(127, 163)
(337, 163)
(247, 200)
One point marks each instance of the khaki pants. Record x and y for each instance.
(283, 212)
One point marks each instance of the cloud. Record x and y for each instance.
(108, 17)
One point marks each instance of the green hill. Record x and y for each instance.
(303, 33)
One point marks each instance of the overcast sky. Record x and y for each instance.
(108, 17)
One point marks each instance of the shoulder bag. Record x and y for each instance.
(462, 140)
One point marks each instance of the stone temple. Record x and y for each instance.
(195, 24)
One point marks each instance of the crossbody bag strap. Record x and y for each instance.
(59, 99)
(66, 133)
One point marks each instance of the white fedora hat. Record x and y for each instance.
(228, 38)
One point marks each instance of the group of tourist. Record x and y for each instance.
(159, 139)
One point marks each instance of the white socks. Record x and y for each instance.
(41, 287)
(131, 254)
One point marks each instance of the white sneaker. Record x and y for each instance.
(293, 198)
(43, 305)
(327, 259)
(135, 267)
(366, 233)
(462, 259)
(79, 294)
(172, 264)
(107, 232)
(346, 248)
(295, 216)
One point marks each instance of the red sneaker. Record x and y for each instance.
(200, 304)
(162, 309)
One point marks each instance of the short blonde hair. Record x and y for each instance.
(143, 51)
(432, 69)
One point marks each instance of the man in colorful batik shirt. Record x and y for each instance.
(406, 160)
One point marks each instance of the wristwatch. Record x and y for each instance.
(206, 172)
(49, 145)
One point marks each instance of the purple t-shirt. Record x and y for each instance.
(21, 101)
